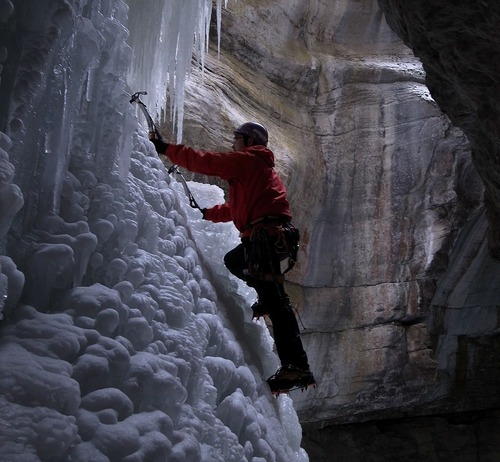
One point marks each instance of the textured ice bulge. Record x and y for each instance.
(123, 336)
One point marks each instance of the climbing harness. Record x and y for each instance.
(154, 134)
(272, 252)
(270, 237)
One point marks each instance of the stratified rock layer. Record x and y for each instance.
(395, 286)
(459, 46)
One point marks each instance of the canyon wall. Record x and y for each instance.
(396, 286)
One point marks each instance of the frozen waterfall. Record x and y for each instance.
(163, 35)
(123, 336)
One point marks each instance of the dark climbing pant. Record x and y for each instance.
(272, 296)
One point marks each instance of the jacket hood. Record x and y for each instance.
(263, 152)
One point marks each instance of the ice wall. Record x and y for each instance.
(123, 337)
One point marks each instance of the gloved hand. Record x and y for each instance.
(160, 145)
(203, 211)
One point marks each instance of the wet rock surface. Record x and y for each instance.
(385, 132)
(459, 46)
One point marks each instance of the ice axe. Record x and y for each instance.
(154, 134)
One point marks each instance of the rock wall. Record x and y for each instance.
(459, 46)
(395, 286)
(463, 437)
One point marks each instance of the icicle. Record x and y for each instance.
(164, 36)
(219, 22)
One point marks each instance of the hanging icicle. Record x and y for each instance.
(163, 51)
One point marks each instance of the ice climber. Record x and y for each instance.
(259, 208)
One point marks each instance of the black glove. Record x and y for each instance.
(160, 145)
(203, 211)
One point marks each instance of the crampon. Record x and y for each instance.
(259, 310)
(286, 391)
(290, 378)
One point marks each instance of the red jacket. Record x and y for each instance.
(255, 189)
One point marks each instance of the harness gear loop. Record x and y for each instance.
(273, 249)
